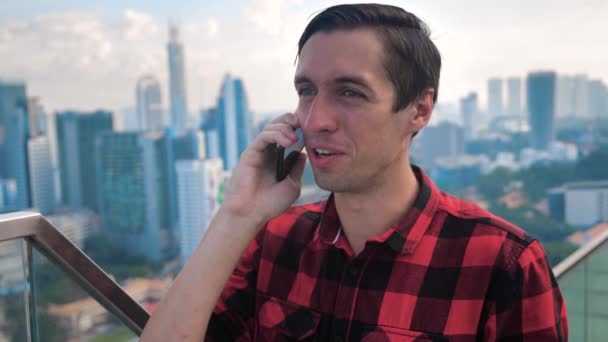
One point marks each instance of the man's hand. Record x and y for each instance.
(252, 197)
(253, 190)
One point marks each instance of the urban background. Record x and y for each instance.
(121, 126)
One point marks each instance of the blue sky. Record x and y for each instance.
(89, 54)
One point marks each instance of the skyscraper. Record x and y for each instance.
(177, 80)
(198, 189)
(149, 104)
(572, 96)
(134, 208)
(598, 99)
(468, 108)
(235, 121)
(76, 134)
(541, 106)
(14, 132)
(495, 107)
(514, 96)
(41, 174)
(189, 145)
(443, 140)
(209, 128)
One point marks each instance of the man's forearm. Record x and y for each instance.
(184, 312)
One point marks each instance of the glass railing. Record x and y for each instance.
(51, 291)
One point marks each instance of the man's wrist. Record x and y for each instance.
(238, 221)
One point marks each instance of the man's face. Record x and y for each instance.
(353, 138)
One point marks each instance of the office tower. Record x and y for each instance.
(198, 189)
(572, 96)
(76, 134)
(235, 122)
(177, 80)
(210, 130)
(495, 97)
(443, 140)
(468, 109)
(41, 174)
(133, 177)
(37, 118)
(541, 103)
(581, 95)
(189, 145)
(14, 132)
(514, 96)
(564, 96)
(8, 194)
(149, 104)
(598, 99)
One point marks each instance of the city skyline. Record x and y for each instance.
(90, 56)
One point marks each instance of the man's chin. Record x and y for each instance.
(330, 184)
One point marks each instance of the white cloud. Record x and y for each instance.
(265, 15)
(82, 60)
(213, 26)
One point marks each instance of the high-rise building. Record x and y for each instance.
(581, 96)
(572, 96)
(514, 96)
(209, 128)
(495, 107)
(134, 195)
(189, 145)
(235, 121)
(468, 108)
(37, 118)
(76, 134)
(198, 189)
(8, 194)
(177, 80)
(41, 174)
(443, 140)
(598, 99)
(541, 106)
(149, 104)
(14, 132)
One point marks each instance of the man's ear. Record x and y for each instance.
(423, 108)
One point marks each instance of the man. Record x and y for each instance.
(387, 257)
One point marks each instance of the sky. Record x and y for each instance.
(86, 55)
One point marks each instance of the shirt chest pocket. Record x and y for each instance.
(282, 321)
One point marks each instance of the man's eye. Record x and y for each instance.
(306, 91)
(351, 93)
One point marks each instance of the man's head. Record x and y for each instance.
(367, 78)
(411, 60)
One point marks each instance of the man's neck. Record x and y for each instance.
(367, 214)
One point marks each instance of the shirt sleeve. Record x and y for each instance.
(233, 316)
(525, 303)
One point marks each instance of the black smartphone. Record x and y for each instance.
(287, 157)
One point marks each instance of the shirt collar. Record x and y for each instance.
(402, 237)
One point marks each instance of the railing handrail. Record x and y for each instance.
(53, 244)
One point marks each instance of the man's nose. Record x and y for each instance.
(320, 116)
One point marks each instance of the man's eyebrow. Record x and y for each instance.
(301, 79)
(352, 79)
(340, 80)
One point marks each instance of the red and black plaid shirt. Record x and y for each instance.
(448, 271)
